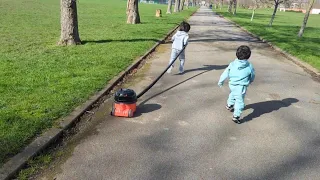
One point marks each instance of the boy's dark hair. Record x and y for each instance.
(184, 26)
(243, 52)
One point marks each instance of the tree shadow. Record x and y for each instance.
(205, 68)
(267, 107)
(227, 40)
(119, 40)
(146, 108)
(223, 35)
(247, 15)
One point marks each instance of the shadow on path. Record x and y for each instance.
(207, 68)
(226, 40)
(267, 107)
(146, 108)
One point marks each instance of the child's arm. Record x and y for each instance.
(252, 75)
(185, 40)
(173, 37)
(224, 75)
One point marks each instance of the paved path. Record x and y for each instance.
(182, 130)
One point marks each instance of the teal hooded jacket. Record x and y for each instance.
(239, 72)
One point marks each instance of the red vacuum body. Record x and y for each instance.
(124, 103)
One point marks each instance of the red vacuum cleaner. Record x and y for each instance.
(124, 103)
(125, 99)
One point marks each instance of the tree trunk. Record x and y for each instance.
(253, 14)
(305, 20)
(254, 9)
(187, 4)
(169, 7)
(230, 6)
(69, 23)
(234, 7)
(176, 6)
(274, 12)
(133, 16)
(181, 5)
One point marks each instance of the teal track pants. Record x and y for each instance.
(236, 98)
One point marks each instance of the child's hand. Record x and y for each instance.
(220, 84)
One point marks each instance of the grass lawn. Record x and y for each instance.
(284, 31)
(41, 82)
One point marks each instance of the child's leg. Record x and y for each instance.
(231, 99)
(182, 60)
(239, 104)
(174, 54)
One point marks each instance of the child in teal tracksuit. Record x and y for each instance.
(240, 73)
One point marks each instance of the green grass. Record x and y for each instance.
(34, 166)
(284, 31)
(41, 82)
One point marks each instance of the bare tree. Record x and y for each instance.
(230, 6)
(305, 19)
(133, 16)
(276, 4)
(255, 6)
(69, 23)
(181, 4)
(234, 7)
(176, 6)
(220, 4)
(169, 6)
(215, 2)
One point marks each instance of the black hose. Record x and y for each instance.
(155, 81)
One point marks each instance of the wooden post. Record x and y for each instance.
(158, 13)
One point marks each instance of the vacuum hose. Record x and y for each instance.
(155, 81)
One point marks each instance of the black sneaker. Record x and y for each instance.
(230, 108)
(236, 119)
